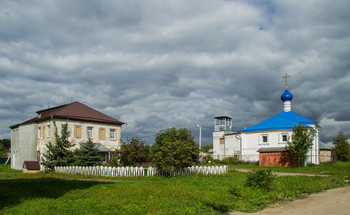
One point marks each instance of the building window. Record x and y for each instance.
(264, 139)
(102, 133)
(89, 132)
(222, 140)
(48, 131)
(39, 133)
(284, 138)
(77, 131)
(112, 134)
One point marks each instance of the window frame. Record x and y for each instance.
(262, 138)
(87, 132)
(114, 134)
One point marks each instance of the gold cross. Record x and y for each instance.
(286, 76)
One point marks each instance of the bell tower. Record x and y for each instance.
(222, 120)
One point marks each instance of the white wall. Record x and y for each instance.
(23, 145)
(252, 141)
(230, 147)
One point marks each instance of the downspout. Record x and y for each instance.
(239, 136)
(126, 125)
(54, 123)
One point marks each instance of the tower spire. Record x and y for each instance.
(286, 76)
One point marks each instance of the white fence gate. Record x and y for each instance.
(137, 171)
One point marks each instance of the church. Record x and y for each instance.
(271, 134)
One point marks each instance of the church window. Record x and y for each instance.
(284, 138)
(264, 139)
(222, 140)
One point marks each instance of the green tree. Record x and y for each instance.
(3, 151)
(341, 147)
(174, 150)
(206, 148)
(59, 153)
(302, 141)
(133, 151)
(6, 143)
(88, 154)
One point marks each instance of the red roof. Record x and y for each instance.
(73, 111)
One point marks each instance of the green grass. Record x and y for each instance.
(52, 193)
(339, 168)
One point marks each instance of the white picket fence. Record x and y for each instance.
(137, 171)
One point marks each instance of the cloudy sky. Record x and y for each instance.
(159, 64)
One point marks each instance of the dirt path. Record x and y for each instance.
(285, 173)
(335, 201)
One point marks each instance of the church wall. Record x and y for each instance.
(314, 153)
(252, 141)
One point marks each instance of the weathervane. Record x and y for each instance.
(286, 76)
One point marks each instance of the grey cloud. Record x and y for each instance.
(156, 65)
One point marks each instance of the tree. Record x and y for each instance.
(59, 153)
(341, 147)
(3, 151)
(174, 150)
(133, 151)
(89, 155)
(206, 148)
(302, 141)
(6, 143)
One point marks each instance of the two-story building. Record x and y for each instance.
(29, 139)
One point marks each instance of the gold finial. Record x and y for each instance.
(286, 76)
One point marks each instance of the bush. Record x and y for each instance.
(262, 179)
(133, 151)
(174, 150)
(230, 160)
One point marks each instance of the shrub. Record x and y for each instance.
(262, 179)
(174, 149)
(133, 151)
(230, 160)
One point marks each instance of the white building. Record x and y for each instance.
(29, 139)
(271, 133)
(226, 143)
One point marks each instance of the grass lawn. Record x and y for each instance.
(52, 193)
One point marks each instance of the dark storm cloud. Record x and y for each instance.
(156, 65)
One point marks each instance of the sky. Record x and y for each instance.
(160, 64)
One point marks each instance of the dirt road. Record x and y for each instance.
(335, 201)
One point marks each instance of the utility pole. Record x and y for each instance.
(200, 136)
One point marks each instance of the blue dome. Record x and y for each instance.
(286, 96)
